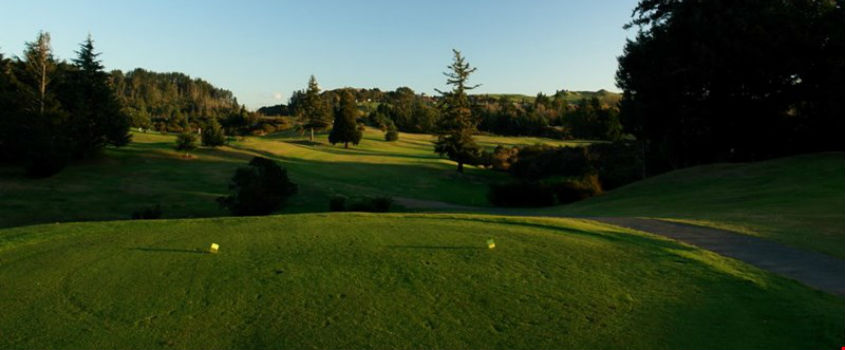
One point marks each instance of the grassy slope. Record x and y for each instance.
(795, 200)
(390, 281)
(149, 171)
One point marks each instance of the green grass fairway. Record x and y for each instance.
(391, 281)
(796, 200)
(149, 171)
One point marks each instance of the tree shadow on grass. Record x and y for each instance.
(169, 250)
(432, 247)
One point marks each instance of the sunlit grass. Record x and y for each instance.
(390, 281)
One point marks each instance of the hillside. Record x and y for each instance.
(795, 200)
(390, 281)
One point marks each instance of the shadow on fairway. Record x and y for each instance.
(434, 247)
(169, 250)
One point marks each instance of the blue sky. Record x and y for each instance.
(263, 50)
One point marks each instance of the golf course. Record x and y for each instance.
(630, 174)
(356, 280)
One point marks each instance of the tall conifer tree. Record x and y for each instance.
(345, 128)
(457, 124)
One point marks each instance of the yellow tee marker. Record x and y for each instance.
(491, 243)
(214, 248)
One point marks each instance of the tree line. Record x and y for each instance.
(53, 111)
(171, 101)
(564, 115)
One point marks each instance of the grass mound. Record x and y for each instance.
(795, 200)
(390, 281)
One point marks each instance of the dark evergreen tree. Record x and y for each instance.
(97, 117)
(457, 124)
(212, 134)
(186, 141)
(312, 110)
(345, 128)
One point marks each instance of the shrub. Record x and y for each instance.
(148, 213)
(186, 141)
(258, 189)
(337, 203)
(521, 194)
(369, 204)
(391, 135)
(618, 163)
(503, 157)
(540, 161)
(573, 191)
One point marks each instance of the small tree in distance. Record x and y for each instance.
(186, 141)
(391, 134)
(345, 127)
(313, 113)
(212, 135)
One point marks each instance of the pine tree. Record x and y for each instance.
(213, 135)
(345, 127)
(186, 141)
(98, 117)
(457, 124)
(313, 112)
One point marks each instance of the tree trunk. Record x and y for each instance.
(43, 87)
(312, 134)
(346, 145)
(461, 167)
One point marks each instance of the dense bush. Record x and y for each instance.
(503, 157)
(540, 161)
(370, 204)
(391, 134)
(258, 189)
(521, 194)
(575, 190)
(337, 203)
(148, 213)
(618, 163)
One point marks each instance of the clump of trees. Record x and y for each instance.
(733, 81)
(169, 102)
(54, 111)
(258, 189)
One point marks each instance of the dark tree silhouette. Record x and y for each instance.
(345, 128)
(733, 80)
